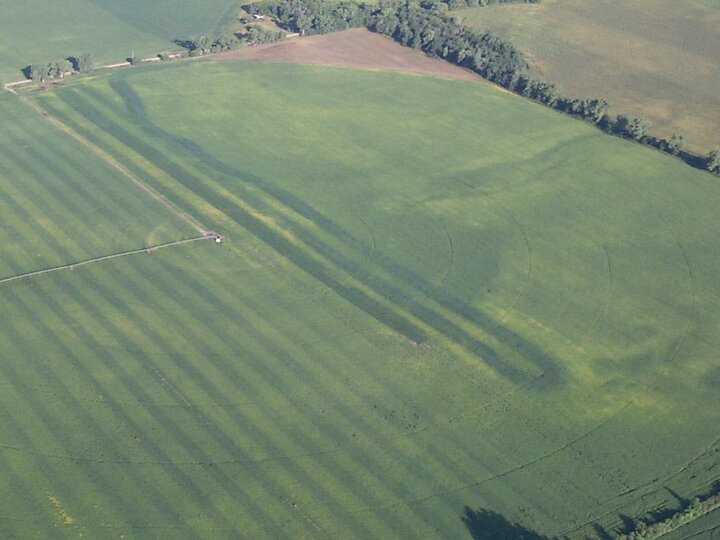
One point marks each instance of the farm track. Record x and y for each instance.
(528, 274)
(608, 295)
(174, 405)
(448, 266)
(368, 261)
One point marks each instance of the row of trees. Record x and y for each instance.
(425, 25)
(57, 70)
(440, 35)
(313, 16)
(452, 5)
(321, 17)
(52, 70)
(495, 59)
(697, 508)
(253, 35)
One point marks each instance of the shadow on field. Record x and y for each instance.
(386, 303)
(488, 525)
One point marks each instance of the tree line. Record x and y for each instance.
(309, 17)
(697, 508)
(452, 5)
(251, 35)
(57, 70)
(425, 25)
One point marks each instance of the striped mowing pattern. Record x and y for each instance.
(305, 380)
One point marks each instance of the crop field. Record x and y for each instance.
(435, 300)
(62, 204)
(39, 31)
(655, 59)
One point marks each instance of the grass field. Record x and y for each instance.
(38, 31)
(655, 59)
(433, 295)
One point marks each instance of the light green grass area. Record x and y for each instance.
(655, 59)
(432, 295)
(38, 31)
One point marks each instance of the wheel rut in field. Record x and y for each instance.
(528, 273)
(499, 475)
(656, 485)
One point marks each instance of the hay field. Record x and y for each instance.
(39, 31)
(432, 296)
(656, 59)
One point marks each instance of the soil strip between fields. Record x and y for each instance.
(72, 266)
(187, 218)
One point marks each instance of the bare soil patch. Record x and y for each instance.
(357, 48)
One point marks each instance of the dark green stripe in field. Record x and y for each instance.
(219, 391)
(51, 187)
(287, 358)
(137, 111)
(28, 307)
(356, 296)
(245, 219)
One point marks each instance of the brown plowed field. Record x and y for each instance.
(358, 48)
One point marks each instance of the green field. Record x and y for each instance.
(61, 204)
(655, 59)
(715, 4)
(433, 295)
(38, 31)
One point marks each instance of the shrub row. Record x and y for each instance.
(697, 508)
